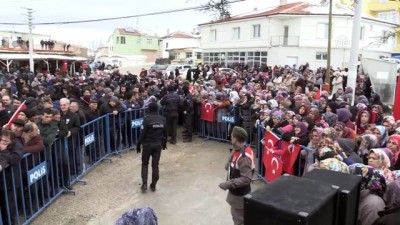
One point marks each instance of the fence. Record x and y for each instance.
(220, 124)
(27, 188)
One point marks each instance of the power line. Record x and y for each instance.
(114, 18)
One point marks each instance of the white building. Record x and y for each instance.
(294, 33)
(181, 46)
(10, 39)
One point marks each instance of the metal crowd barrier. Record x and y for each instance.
(301, 162)
(27, 188)
(224, 121)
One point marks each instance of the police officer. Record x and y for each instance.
(171, 102)
(153, 136)
(187, 107)
(240, 167)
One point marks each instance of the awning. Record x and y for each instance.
(41, 57)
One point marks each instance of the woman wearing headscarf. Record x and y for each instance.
(363, 120)
(343, 131)
(394, 145)
(332, 107)
(330, 160)
(381, 134)
(344, 116)
(330, 118)
(378, 159)
(391, 214)
(373, 187)
(348, 94)
(337, 82)
(299, 135)
(368, 142)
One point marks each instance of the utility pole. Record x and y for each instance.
(328, 65)
(30, 26)
(355, 39)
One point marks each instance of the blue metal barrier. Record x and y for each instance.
(224, 121)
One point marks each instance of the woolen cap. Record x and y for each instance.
(239, 133)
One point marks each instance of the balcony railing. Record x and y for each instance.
(285, 41)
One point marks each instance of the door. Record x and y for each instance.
(291, 60)
(285, 35)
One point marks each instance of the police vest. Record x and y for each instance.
(234, 169)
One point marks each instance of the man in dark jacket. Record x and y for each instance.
(92, 112)
(11, 152)
(114, 108)
(171, 103)
(5, 115)
(69, 128)
(187, 107)
(47, 127)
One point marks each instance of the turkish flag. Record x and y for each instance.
(207, 112)
(289, 156)
(272, 162)
(22, 107)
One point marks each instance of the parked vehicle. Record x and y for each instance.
(158, 69)
(182, 69)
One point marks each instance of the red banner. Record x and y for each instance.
(272, 162)
(22, 107)
(289, 156)
(396, 110)
(207, 112)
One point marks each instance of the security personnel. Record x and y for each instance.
(240, 168)
(187, 107)
(153, 136)
(171, 102)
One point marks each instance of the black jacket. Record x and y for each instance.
(153, 130)
(69, 122)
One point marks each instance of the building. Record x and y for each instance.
(294, 33)
(388, 11)
(181, 47)
(128, 42)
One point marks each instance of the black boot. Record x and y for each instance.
(144, 187)
(153, 187)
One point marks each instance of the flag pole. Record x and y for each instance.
(16, 111)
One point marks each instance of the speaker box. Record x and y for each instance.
(291, 200)
(347, 196)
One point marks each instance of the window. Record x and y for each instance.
(256, 31)
(189, 55)
(198, 55)
(138, 41)
(236, 33)
(384, 16)
(122, 40)
(362, 33)
(117, 40)
(394, 17)
(321, 56)
(213, 35)
(322, 30)
(149, 41)
(166, 45)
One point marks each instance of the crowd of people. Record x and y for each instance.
(361, 138)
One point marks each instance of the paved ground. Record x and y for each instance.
(187, 194)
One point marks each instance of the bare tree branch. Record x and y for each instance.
(218, 8)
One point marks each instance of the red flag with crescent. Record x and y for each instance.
(289, 156)
(271, 160)
(207, 112)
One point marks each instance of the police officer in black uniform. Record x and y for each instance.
(187, 107)
(153, 136)
(171, 102)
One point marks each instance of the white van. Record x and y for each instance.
(182, 69)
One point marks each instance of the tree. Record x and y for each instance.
(218, 8)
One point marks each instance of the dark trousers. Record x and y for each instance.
(187, 123)
(172, 123)
(153, 150)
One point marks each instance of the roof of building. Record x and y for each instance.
(135, 32)
(40, 56)
(179, 34)
(298, 8)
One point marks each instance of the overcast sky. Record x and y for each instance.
(88, 34)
